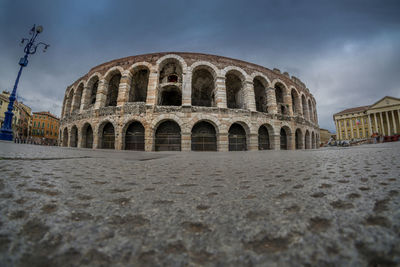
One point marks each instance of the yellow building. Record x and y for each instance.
(383, 118)
(45, 128)
(325, 135)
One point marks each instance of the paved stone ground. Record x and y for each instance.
(73, 207)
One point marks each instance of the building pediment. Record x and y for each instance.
(387, 101)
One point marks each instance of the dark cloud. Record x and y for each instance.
(345, 51)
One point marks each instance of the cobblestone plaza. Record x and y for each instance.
(72, 207)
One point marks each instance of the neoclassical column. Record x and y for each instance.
(376, 123)
(339, 127)
(351, 128)
(223, 142)
(249, 97)
(101, 95)
(363, 127)
(187, 89)
(271, 101)
(151, 99)
(369, 125)
(220, 92)
(383, 127)
(345, 129)
(388, 123)
(124, 88)
(394, 122)
(358, 129)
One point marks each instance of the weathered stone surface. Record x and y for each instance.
(275, 208)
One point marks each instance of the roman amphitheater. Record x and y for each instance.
(188, 102)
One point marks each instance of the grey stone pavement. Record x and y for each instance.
(77, 207)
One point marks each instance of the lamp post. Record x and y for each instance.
(30, 49)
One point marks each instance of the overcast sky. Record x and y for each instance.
(346, 52)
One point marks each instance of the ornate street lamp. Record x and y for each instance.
(30, 49)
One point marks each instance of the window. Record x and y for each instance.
(34, 124)
(43, 125)
(48, 125)
(47, 132)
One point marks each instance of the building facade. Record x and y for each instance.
(382, 117)
(188, 101)
(45, 128)
(22, 118)
(325, 136)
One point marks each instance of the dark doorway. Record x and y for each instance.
(283, 139)
(171, 96)
(168, 137)
(204, 137)
(74, 136)
(89, 137)
(108, 137)
(134, 137)
(263, 138)
(237, 138)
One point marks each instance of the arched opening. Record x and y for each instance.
(134, 137)
(264, 138)
(237, 138)
(260, 95)
(67, 110)
(170, 95)
(234, 90)
(74, 136)
(304, 104)
(170, 71)
(65, 137)
(279, 89)
(87, 136)
(313, 143)
(78, 98)
(112, 92)
(295, 101)
(139, 83)
(203, 86)
(108, 136)
(310, 111)
(204, 137)
(93, 91)
(307, 140)
(299, 139)
(168, 136)
(284, 139)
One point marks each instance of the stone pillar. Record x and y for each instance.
(292, 141)
(287, 99)
(389, 130)
(223, 142)
(148, 138)
(369, 125)
(152, 89)
(95, 139)
(101, 96)
(383, 127)
(186, 142)
(351, 128)
(339, 130)
(85, 98)
(276, 143)
(364, 133)
(376, 123)
(394, 123)
(358, 129)
(220, 93)
(187, 89)
(124, 89)
(249, 96)
(345, 130)
(253, 139)
(271, 101)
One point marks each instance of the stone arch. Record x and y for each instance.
(280, 92)
(239, 136)
(133, 135)
(262, 76)
(243, 75)
(65, 137)
(100, 131)
(139, 74)
(171, 56)
(235, 86)
(77, 98)
(260, 86)
(204, 136)
(265, 137)
(170, 78)
(205, 64)
(285, 137)
(203, 86)
(168, 136)
(112, 81)
(310, 110)
(208, 118)
(92, 86)
(73, 142)
(299, 144)
(307, 140)
(296, 105)
(87, 137)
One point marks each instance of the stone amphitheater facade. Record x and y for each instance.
(188, 101)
